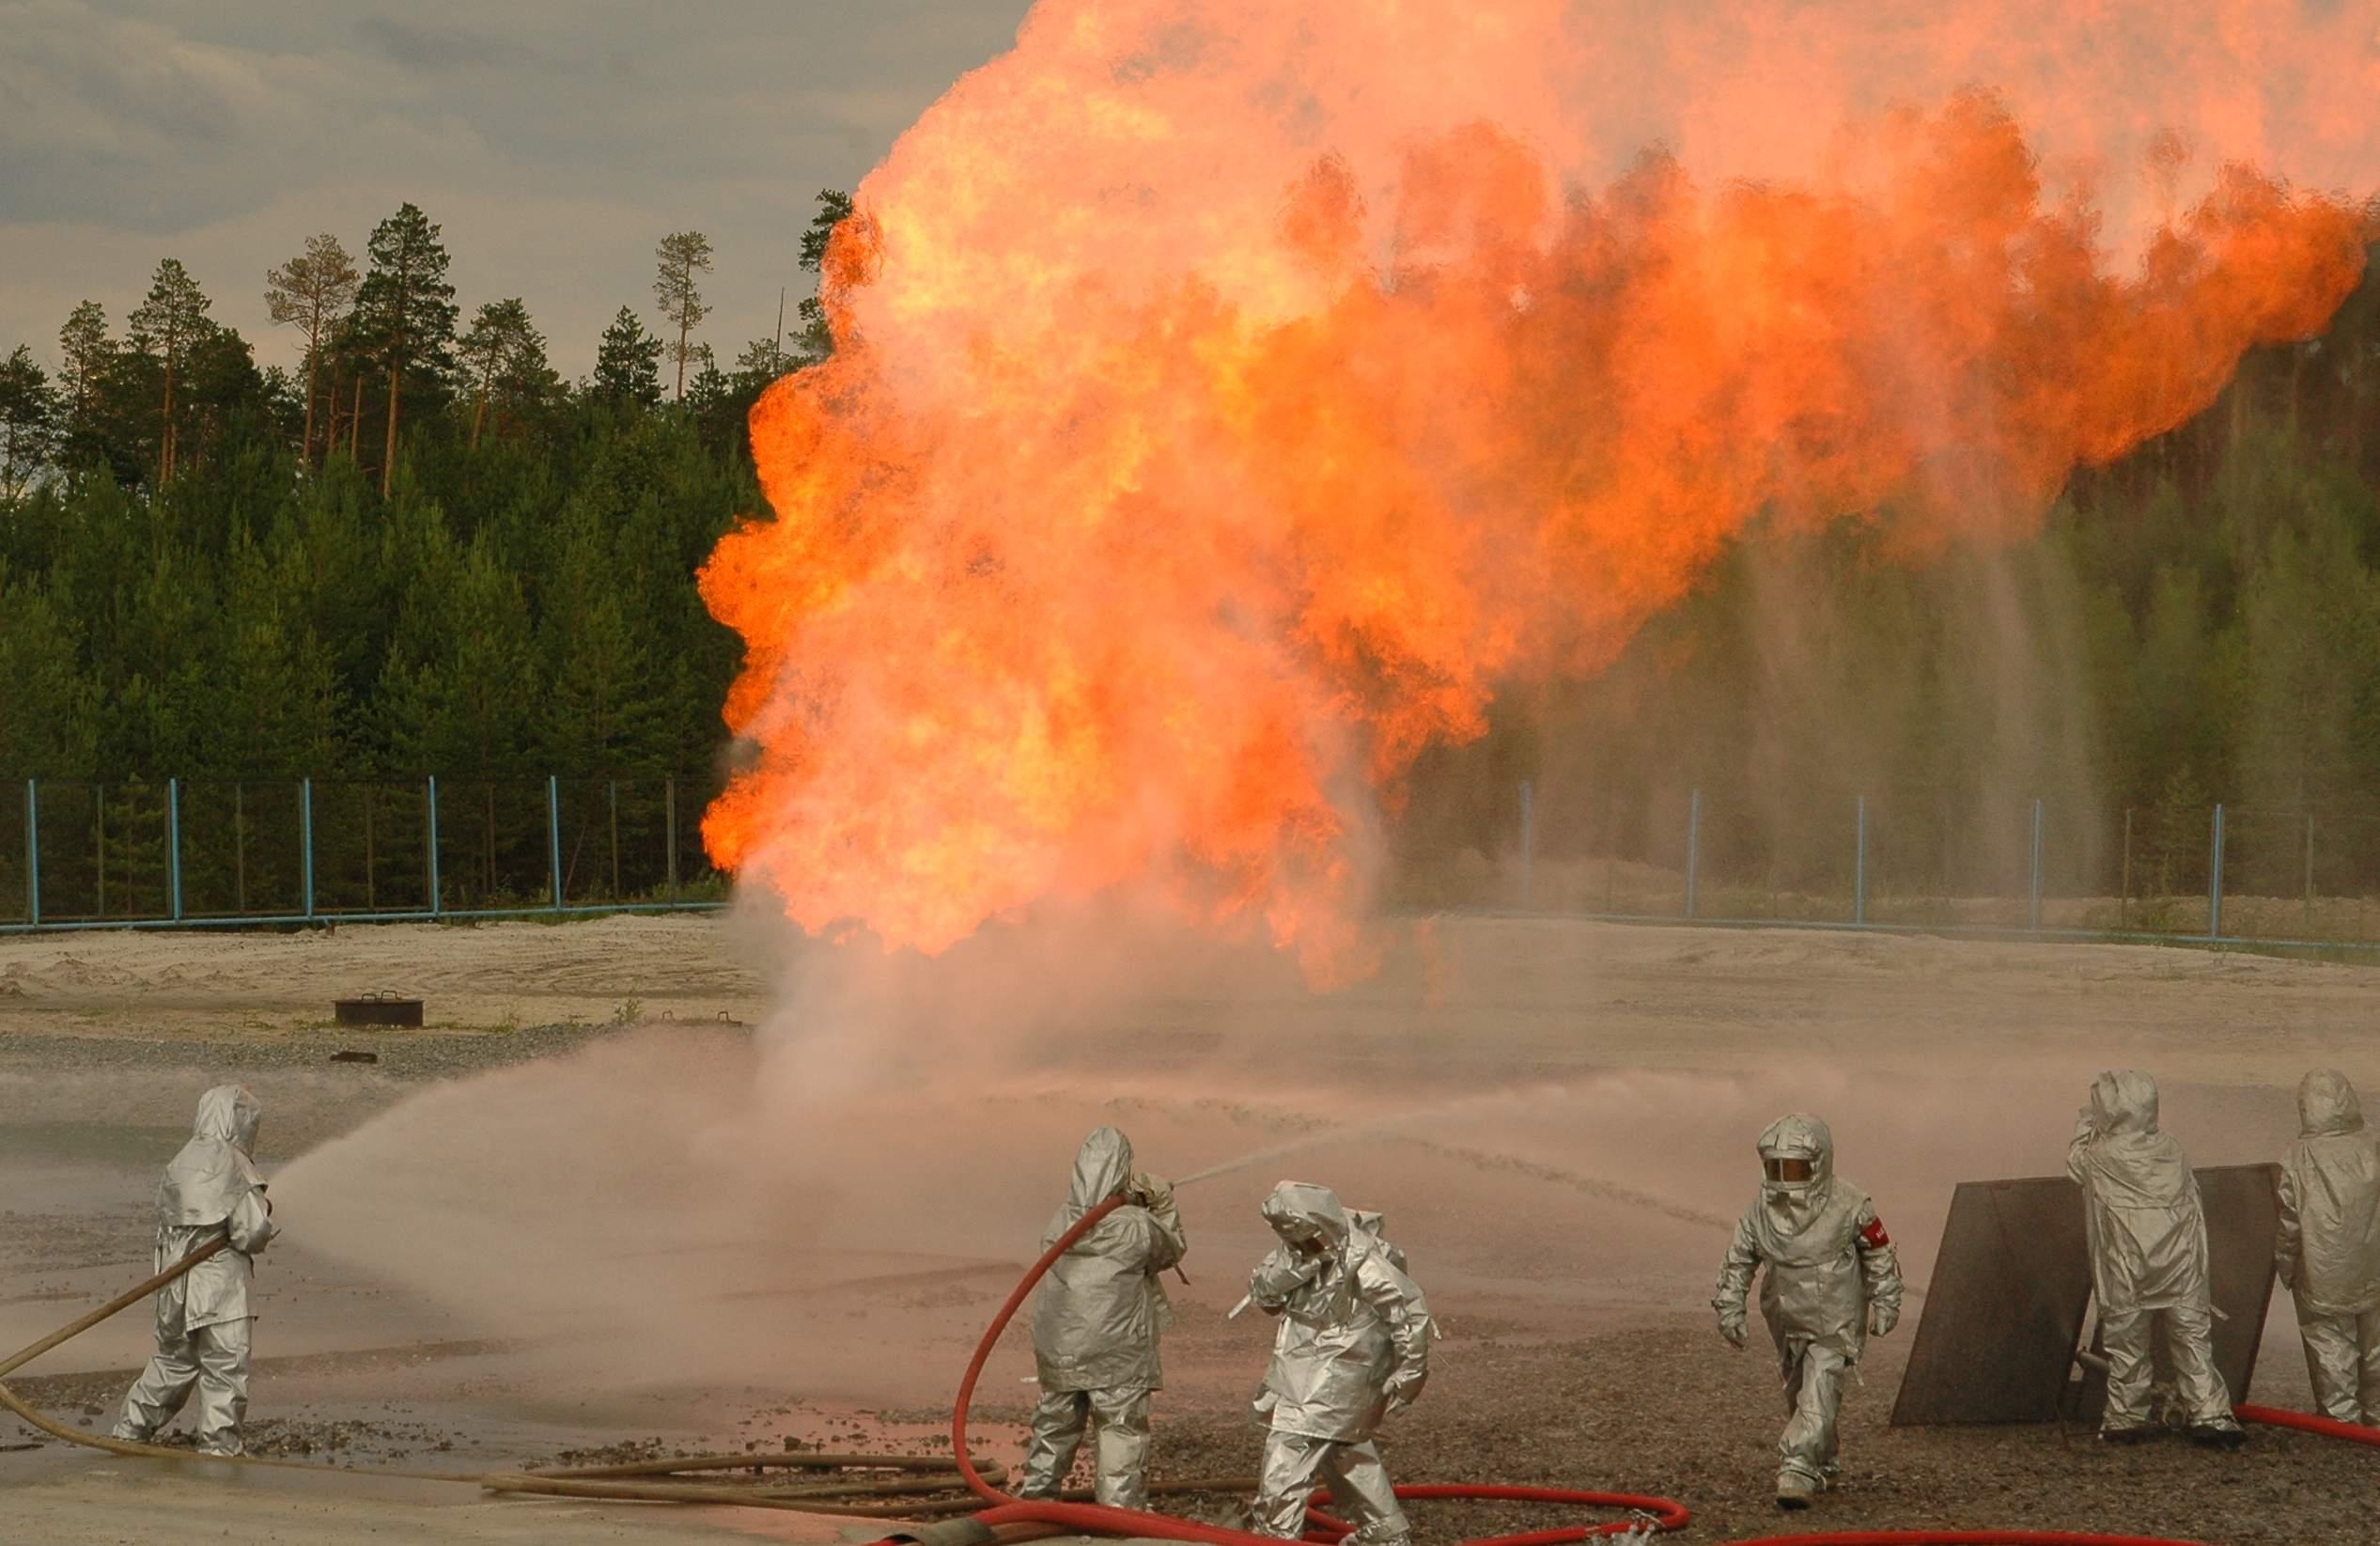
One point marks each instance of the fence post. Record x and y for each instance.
(305, 839)
(1860, 864)
(2309, 874)
(553, 833)
(2033, 910)
(612, 793)
(2214, 880)
(98, 823)
(431, 845)
(1528, 845)
(1693, 846)
(2123, 906)
(239, 846)
(32, 850)
(669, 819)
(173, 845)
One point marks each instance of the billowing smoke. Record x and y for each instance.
(1230, 398)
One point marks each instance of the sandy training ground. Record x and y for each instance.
(676, 1184)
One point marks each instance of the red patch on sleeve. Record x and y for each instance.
(1873, 1237)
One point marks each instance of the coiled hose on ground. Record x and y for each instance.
(1010, 1519)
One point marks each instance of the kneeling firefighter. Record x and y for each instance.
(1352, 1347)
(1833, 1279)
(1095, 1326)
(210, 1192)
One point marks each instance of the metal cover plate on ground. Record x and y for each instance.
(2243, 1220)
(2005, 1309)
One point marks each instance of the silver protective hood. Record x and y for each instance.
(1300, 1211)
(1793, 1206)
(2329, 1243)
(1101, 1167)
(2326, 1106)
(205, 1181)
(2141, 1210)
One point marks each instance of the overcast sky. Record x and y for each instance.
(555, 140)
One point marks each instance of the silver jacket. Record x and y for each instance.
(1101, 1309)
(1355, 1330)
(2329, 1246)
(211, 1191)
(1827, 1256)
(2140, 1203)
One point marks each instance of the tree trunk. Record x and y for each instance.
(388, 463)
(313, 357)
(165, 431)
(355, 422)
(479, 413)
(684, 327)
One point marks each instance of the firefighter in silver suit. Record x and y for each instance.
(2147, 1231)
(1097, 1323)
(1832, 1279)
(1352, 1347)
(210, 1192)
(2329, 1246)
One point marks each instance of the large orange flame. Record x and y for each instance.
(1229, 395)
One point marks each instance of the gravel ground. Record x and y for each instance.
(1566, 1366)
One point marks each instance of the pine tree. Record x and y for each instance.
(504, 355)
(85, 353)
(163, 329)
(817, 339)
(29, 422)
(599, 708)
(681, 256)
(628, 363)
(311, 292)
(49, 715)
(406, 312)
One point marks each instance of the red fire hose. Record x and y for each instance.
(1666, 1513)
(2329, 1428)
(1098, 1518)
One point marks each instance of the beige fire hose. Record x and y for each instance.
(844, 1495)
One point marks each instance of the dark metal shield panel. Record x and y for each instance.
(2005, 1307)
(2243, 1220)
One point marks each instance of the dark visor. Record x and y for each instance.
(1788, 1170)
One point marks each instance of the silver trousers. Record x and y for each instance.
(213, 1360)
(1358, 1486)
(1121, 1468)
(2342, 1359)
(2190, 1347)
(1813, 1397)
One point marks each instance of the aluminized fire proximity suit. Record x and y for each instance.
(1097, 1323)
(2147, 1232)
(1832, 1280)
(1352, 1347)
(210, 1192)
(2329, 1247)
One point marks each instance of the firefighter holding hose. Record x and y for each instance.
(1352, 1347)
(1832, 1280)
(1097, 1323)
(210, 1192)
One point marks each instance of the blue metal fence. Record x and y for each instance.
(2216, 874)
(228, 854)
